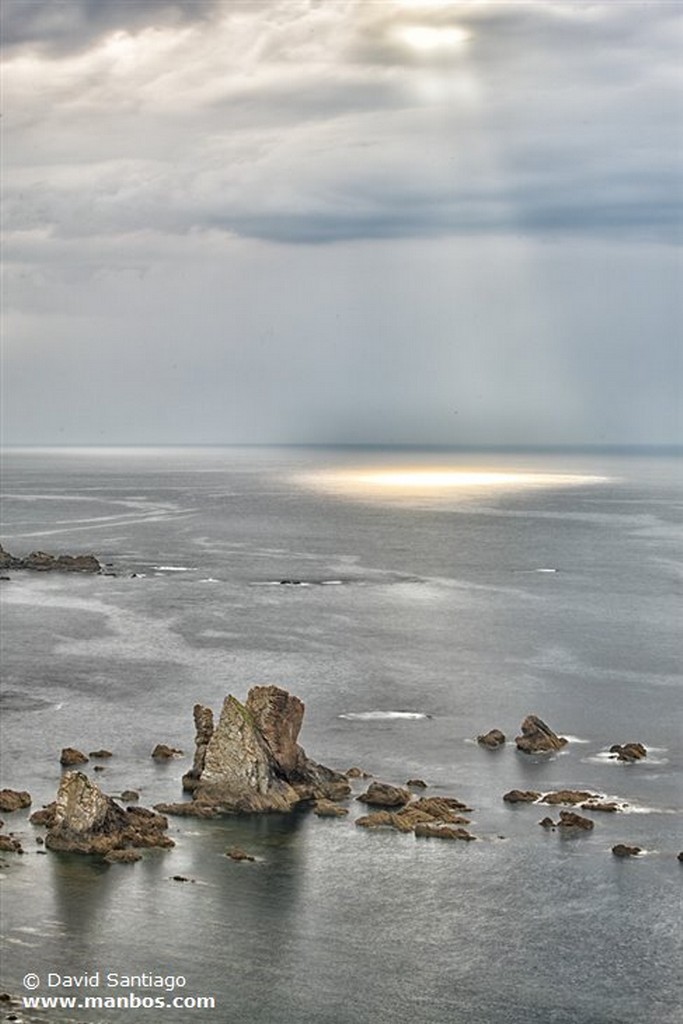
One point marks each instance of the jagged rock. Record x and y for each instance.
(70, 756)
(41, 561)
(128, 795)
(14, 799)
(122, 856)
(381, 794)
(162, 752)
(101, 754)
(521, 796)
(426, 830)
(601, 805)
(357, 773)
(45, 816)
(237, 853)
(492, 739)
(328, 809)
(88, 821)
(252, 761)
(416, 783)
(547, 823)
(8, 844)
(570, 820)
(628, 751)
(537, 737)
(435, 810)
(621, 850)
(203, 723)
(568, 796)
(377, 819)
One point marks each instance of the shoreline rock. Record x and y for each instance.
(42, 561)
(492, 740)
(70, 756)
(14, 800)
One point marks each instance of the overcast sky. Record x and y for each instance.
(386, 221)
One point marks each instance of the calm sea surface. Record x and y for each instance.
(424, 588)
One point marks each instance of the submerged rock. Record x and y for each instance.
(41, 561)
(162, 752)
(70, 756)
(568, 796)
(251, 760)
(237, 853)
(357, 773)
(8, 844)
(492, 739)
(14, 799)
(123, 856)
(429, 830)
(416, 783)
(537, 737)
(328, 809)
(87, 821)
(102, 754)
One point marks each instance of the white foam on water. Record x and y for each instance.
(331, 583)
(173, 568)
(575, 739)
(210, 579)
(379, 716)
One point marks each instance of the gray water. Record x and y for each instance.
(422, 600)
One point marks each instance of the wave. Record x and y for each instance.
(380, 716)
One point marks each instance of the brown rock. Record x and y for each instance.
(416, 783)
(568, 796)
(8, 844)
(129, 795)
(621, 850)
(537, 737)
(356, 773)
(628, 751)
(203, 723)
(188, 809)
(521, 796)
(570, 820)
(492, 739)
(122, 856)
(610, 807)
(237, 853)
(378, 819)
(45, 816)
(102, 754)
(14, 799)
(381, 794)
(328, 809)
(547, 823)
(41, 561)
(162, 752)
(70, 756)
(88, 821)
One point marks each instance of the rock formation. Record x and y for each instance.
(85, 820)
(570, 820)
(521, 796)
(622, 850)
(492, 739)
(537, 737)
(628, 751)
(380, 794)
(435, 812)
(70, 756)
(14, 799)
(251, 761)
(41, 561)
(162, 752)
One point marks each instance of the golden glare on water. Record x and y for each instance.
(436, 481)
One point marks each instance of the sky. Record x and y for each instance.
(342, 221)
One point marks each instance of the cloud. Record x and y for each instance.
(302, 122)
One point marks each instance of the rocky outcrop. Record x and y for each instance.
(436, 812)
(41, 561)
(628, 752)
(521, 796)
(85, 820)
(570, 820)
(568, 796)
(9, 844)
(622, 850)
(328, 809)
(381, 794)
(416, 783)
(14, 799)
(251, 760)
(238, 854)
(493, 739)
(537, 737)
(428, 830)
(70, 757)
(101, 754)
(162, 752)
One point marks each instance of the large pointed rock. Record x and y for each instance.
(86, 820)
(251, 760)
(537, 737)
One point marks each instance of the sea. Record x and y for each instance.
(413, 599)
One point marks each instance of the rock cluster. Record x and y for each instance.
(427, 817)
(41, 561)
(493, 739)
(251, 761)
(14, 799)
(629, 752)
(84, 820)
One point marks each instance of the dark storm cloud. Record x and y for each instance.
(66, 26)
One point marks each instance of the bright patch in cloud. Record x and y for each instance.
(432, 38)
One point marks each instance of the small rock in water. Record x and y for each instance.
(537, 737)
(327, 809)
(621, 850)
(99, 768)
(8, 844)
(162, 752)
(417, 783)
(628, 751)
(493, 739)
(381, 794)
(70, 756)
(521, 796)
(130, 795)
(570, 820)
(122, 856)
(14, 799)
(237, 853)
(357, 773)
(100, 754)
(547, 823)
